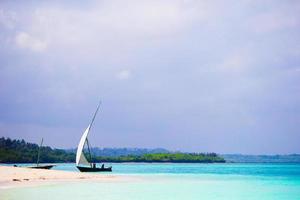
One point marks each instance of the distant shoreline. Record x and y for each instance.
(25, 164)
(241, 158)
(19, 151)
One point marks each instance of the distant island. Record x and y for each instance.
(117, 152)
(19, 151)
(239, 158)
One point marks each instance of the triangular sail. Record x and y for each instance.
(80, 157)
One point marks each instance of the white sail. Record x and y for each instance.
(80, 158)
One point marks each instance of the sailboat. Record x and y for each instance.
(81, 161)
(38, 166)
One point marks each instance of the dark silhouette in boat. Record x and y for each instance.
(94, 168)
(81, 162)
(38, 166)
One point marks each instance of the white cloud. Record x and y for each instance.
(123, 74)
(133, 17)
(26, 41)
(113, 24)
(233, 62)
(239, 61)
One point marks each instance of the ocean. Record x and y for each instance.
(176, 181)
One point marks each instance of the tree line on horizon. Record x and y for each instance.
(20, 151)
(122, 151)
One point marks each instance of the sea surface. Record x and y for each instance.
(176, 181)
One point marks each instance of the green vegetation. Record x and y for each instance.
(167, 157)
(117, 152)
(19, 151)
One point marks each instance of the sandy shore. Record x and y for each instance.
(22, 177)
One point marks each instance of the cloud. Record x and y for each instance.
(26, 41)
(103, 27)
(234, 62)
(131, 18)
(123, 74)
(237, 61)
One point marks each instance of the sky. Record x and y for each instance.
(188, 75)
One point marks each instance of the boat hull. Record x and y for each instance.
(42, 167)
(94, 169)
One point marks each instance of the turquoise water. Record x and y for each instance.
(177, 181)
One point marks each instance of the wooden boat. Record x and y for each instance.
(94, 169)
(38, 166)
(42, 167)
(82, 163)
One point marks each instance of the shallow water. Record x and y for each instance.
(178, 181)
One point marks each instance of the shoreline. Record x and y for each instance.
(12, 177)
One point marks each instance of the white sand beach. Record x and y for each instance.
(22, 177)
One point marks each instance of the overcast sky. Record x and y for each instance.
(221, 76)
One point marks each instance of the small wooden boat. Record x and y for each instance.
(42, 167)
(38, 166)
(82, 163)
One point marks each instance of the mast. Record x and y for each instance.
(87, 141)
(38, 158)
(95, 114)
